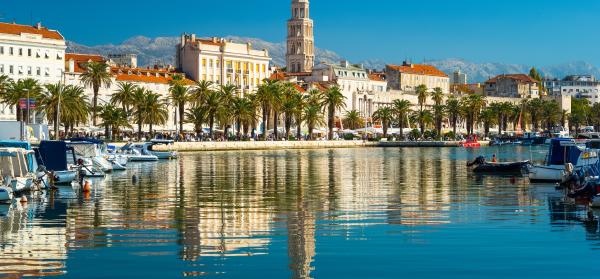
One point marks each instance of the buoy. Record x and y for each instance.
(23, 199)
(87, 187)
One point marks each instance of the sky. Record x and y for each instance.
(532, 32)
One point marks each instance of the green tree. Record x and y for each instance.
(197, 116)
(353, 120)
(534, 109)
(332, 100)
(67, 100)
(96, 75)
(179, 95)
(401, 108)
(113, 119)
(156, 111)
(471, 106)
(14, 91)
(488, 117)
(422, 94)
(313, 118)
(124, 95)
(245, 114)
(289, 106)
(438, 108)
(200, 90)
(580, 109)
(424, 118)
(264, 98)
(385, 115)
(453, 110)
(212, 103)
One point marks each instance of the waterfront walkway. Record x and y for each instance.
(274, 145)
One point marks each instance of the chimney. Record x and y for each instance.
(71, 68)
(193, 38)
(38, 26)
(215, 40)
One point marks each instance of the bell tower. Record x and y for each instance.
(300, 56)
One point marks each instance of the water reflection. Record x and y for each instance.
(238, 213)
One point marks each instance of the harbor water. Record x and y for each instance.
(322, 213)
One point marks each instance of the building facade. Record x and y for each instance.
(576, 86)
(223, 62)
(458, 77)
(30, 52)
(407, 77)
(124, 59)
(300, 56)
(512, 86)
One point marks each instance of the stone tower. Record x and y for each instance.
(300, 55)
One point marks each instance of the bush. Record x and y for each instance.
(450, 135)
(348, 137)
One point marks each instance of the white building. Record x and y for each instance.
(30, 52)
(577, 86)
(223, 62)
(124, 59)
(458, 77)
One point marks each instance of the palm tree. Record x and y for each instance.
(402, 109)
(534, 108)
(551, 113)
(69, 100)
(155, 111)
(113, 119)
(289, 106)
(423, 117)
(21, 89)
(277, 89)
(212, 102)
(472, 105)
(200, 91)
(139, 109)
(453, 109)
(244, 113)
(5, 82)
(228, 94)
(353, 120)
(263, 97)
(421, 91)
(197, 115)
(301, 102)
(438, 108)
(332, 99)
(313, 118)
(488, 116)
(96, 75)
(179, 98)
(385, 115)
(124, 95)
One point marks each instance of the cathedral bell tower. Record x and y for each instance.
(300, 55)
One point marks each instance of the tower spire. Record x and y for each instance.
(300, 56)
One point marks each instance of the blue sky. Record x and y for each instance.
(534, 32)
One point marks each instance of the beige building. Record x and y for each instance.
(300, 56)
(223, 62)
(408, 76)
(513, 85)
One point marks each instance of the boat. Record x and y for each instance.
(160, 154)
(471, 142)
(15, 170)
(118, 160)
(6, 193)
(136, 153)
(481, 166)
(89, 151)
(32, 163)
(53, 155)
(562, 152)
(532, 138)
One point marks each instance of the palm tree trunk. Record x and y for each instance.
(401, 124)
(181, 116)
(331, 121)
(265, 120)
(211, 124)
(96, 89)
(275, 120)
(288, 125)
(239, 127)
(56, 124)
(454, 120)
(298, 126)
(310, 132)
(385, 128)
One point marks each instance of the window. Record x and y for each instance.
(37, 54)
(29, 70)
(59, 56)
(11, 51)
(29, 52)
(47, 72)
(1, 68)
(11, 69)
(38, 71)
(47, 55)
(20, 72)
(20, 52)
(1, 50)
(203, 62)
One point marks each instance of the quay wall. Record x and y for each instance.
(279, 145)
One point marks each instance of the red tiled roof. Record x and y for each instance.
(148, 79)
(519, 77)
(418, 69)
(299, 88)
(377, 77)
(17, 29)
(81, 60)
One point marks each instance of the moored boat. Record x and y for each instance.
(562, 152)
(53, 155)
(481, 166)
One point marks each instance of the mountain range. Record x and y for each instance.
(161, 50)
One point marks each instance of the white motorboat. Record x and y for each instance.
(6, 193)
(136, 153)
(53, 156)
(561, 153)
(16, 170)
(149, 146)
(119, 162)
(88, 151)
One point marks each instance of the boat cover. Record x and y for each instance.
(19, 144)
(560, 155)
(53, 155)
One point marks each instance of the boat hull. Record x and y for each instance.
(547, 173)
(164, 155)
(502, 168)
(65, 177)
(143, 158)
(6, 194)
